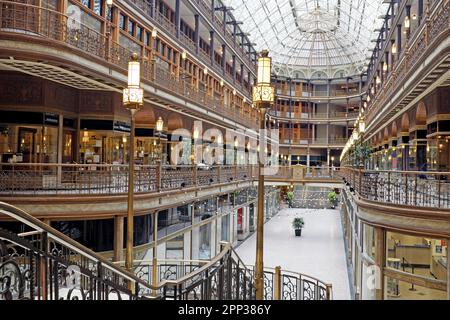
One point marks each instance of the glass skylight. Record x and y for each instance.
(312, 33)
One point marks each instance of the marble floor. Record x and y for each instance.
(319, 252)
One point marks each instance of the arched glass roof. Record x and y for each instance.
(308, 34)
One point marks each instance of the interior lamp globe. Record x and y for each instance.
(263, 91)
(133, 95)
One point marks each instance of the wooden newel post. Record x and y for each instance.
(277, 283)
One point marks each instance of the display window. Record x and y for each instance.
(205, 242)
(28, 144)
(419, 256)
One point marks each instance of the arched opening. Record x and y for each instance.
(421, 114)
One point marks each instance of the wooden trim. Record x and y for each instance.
(416, 279)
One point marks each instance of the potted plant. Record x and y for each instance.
(298, 224)
(290, 198)
(333, 199)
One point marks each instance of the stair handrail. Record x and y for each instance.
(39, 226)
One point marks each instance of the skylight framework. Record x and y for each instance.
(311, 35)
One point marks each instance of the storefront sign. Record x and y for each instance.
(51, 119)
(121, 126)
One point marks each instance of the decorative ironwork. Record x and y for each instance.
(43, 264)
(409, 188)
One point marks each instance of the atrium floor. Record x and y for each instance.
(319, 252)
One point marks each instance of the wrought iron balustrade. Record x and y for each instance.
(409, 188)
(40, 263)
(436, 22)
(53, 179)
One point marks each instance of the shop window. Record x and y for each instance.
(205, 242)
(225, 228)
(97, 235)
(423, 256)
(173, 220)
(175, 248)
(401, 290)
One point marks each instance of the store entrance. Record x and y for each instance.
(27, 145)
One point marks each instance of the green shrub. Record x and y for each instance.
(298, 223)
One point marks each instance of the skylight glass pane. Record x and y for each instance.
(305, 34)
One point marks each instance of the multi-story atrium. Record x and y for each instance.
(224, 150)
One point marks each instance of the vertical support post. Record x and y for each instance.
(329, 290)
(130, 213)
(60, 150)
(155, 251)
(44, 266)
(277, 283)
(118, 238)
(259, 265)
(211, 45)
(448, 271)
(177, 17)
(197, 33)
(380, 258)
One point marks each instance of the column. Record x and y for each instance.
(234, 68)
(211, 46)
(399, 40)
(380, 258)
(448, 270)
(152, 8)
(196, 33)
(328, 158)
(177, 17)
(224, 21)
(60, 147)
(420, 10)
(118, 238)
(242, 75)
(234, 33)
(224, 59)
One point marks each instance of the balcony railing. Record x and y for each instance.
(417, 47)
(406, 188)
(45, 23)
(227, 277)
(43, 264)
(53, 179)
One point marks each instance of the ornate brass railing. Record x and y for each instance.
(408, 188)
(44, 23)
(278, 284)
(40, 263)
(54, 179)
(417, 48)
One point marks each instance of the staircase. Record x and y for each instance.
(39, 263)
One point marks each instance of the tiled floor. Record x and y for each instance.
(319, 252)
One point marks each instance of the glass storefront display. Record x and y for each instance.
(205, 242)
(175, 248)
(401, 290)
(438, 154)
(225, 228)
(369, 241)
(111, 147)
(173, 220)
(28, 144)
(205, 209)
(418, 255)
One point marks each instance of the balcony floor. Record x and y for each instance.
(319, 252)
